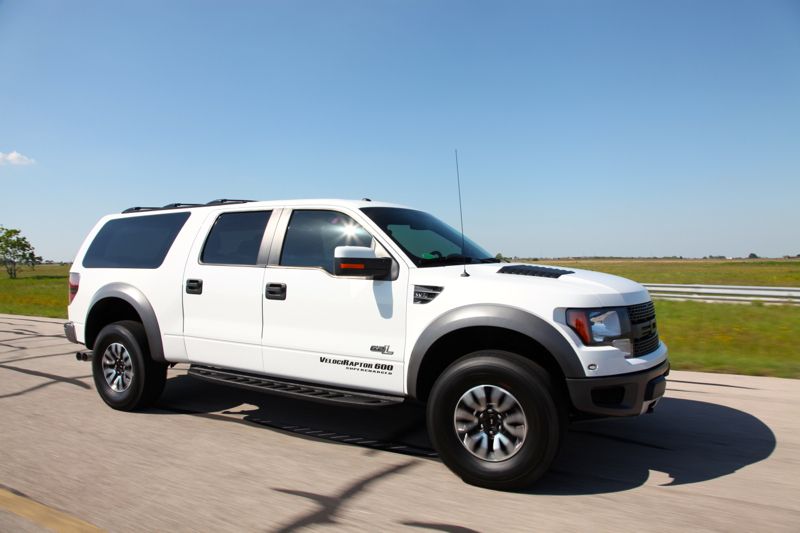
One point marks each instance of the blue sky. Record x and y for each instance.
(583, 127)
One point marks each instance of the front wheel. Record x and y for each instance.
(124, 374)
(495, 419)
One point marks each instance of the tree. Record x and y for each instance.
(15, 250)
(752, 256)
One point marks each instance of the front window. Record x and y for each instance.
(425, 239)
(313, 235)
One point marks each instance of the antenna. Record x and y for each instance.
(461, 214)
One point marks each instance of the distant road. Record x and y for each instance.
(725, 293)
(720, 453)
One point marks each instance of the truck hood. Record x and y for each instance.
(578, 288)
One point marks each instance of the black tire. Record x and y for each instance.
(532, 388)
(148, 377)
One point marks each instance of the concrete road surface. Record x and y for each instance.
(720, 453)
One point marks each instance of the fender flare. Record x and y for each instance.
(493, 315)
(141, 304)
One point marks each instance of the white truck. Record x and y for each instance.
(367, 304)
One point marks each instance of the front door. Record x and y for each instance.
(223, 289)
(327, 329)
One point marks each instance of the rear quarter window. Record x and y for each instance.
(134, 242)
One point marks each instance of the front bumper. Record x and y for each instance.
(69, 331)
(620, 395)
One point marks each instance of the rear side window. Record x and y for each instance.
(312, 237)
(235, 238)
(134, 242)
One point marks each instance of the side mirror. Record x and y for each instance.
(360, 261)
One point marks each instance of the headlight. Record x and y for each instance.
(602, 327)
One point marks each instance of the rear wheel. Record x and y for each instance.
(496, 419)
(124, 374)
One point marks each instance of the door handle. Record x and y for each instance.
(275, 291)
(194, 286)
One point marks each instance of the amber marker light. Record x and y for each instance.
(578, 320)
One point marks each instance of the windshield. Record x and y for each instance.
(425, 239)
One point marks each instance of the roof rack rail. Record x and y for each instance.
(181, 205)
(139, 208)
(223, 201)
(178, 205)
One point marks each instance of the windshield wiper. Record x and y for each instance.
(457, 259)
(452, 259)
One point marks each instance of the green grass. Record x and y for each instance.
(40, 292)
(740, 339)
(774, 272)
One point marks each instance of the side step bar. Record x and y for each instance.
(292, 388)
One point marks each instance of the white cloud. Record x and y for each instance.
(15, 158)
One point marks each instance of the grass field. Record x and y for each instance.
(740, 339)
(775, 272)
(40, 292)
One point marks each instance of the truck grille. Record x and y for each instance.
(641, 312)
(643, 324)
(645, 345)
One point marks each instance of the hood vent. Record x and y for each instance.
(426, 293)
(534, 270)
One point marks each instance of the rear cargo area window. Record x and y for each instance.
(134, 242)
(235, 238)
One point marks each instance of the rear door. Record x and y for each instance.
(223, 290)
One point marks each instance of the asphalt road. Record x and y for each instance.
(720, 453)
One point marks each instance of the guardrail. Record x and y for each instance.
(725, 293)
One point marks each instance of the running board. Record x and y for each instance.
(292, 388)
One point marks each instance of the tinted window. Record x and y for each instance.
(235, 238)
(313, 236)
(425, 239)
(134, 242)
